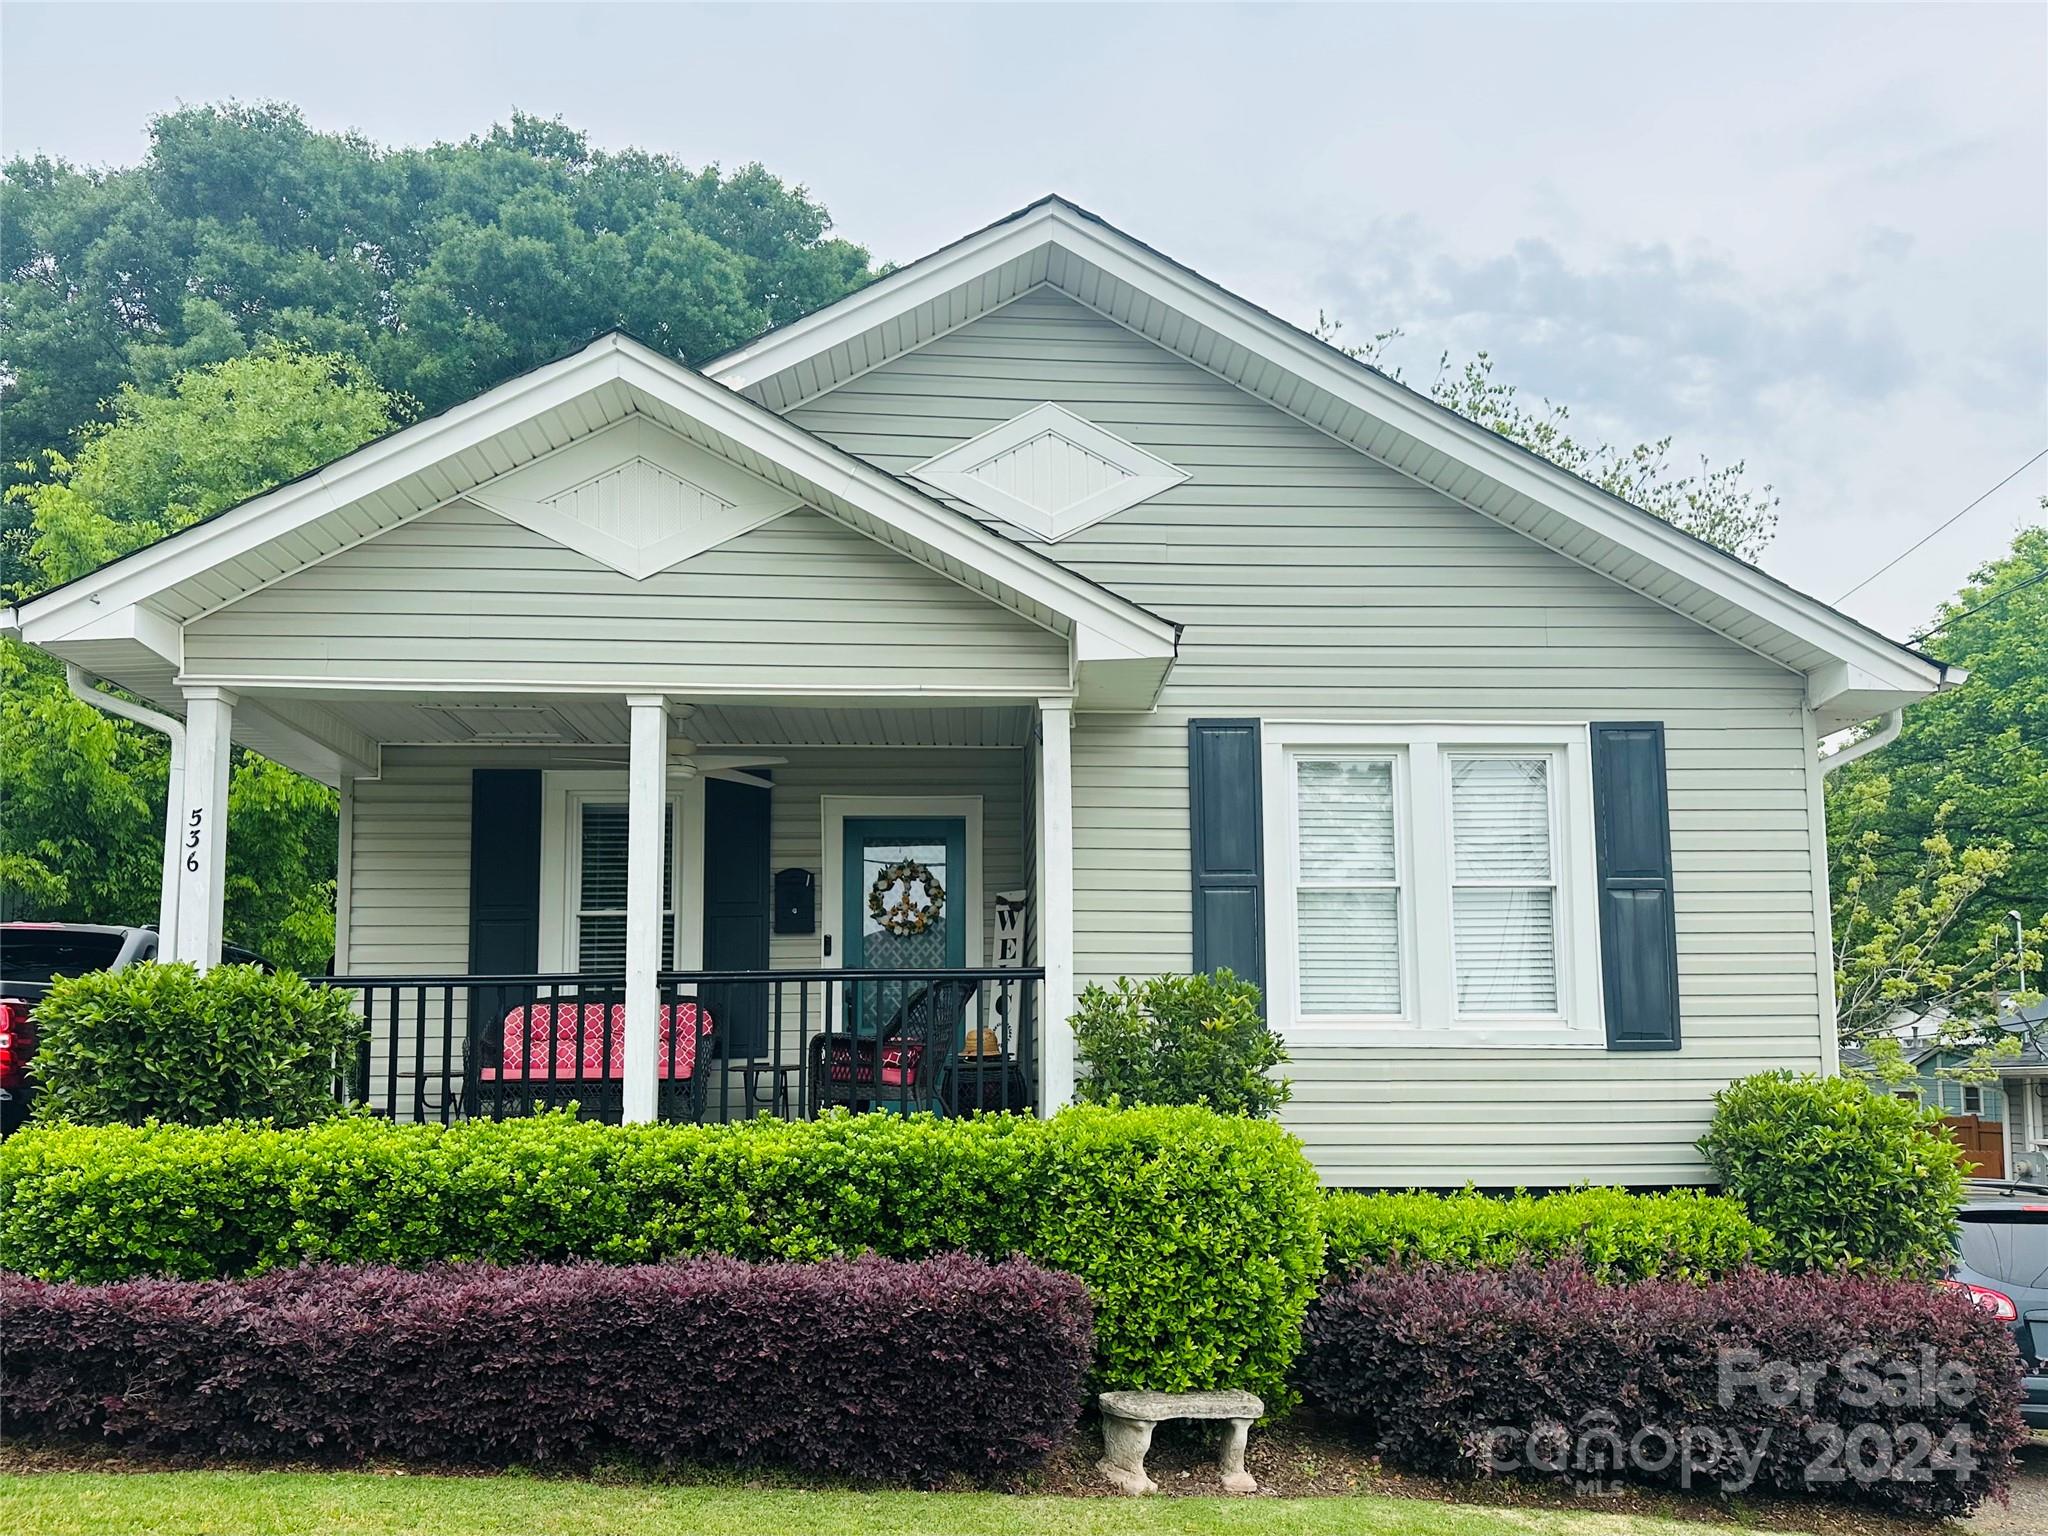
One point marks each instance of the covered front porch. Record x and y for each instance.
(671, 909)
(634, 693)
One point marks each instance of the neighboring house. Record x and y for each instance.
(1975, 1111)
(1042, 568)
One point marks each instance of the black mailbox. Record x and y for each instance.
(796, 901)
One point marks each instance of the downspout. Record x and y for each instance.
(174, 791)
(1883, 736)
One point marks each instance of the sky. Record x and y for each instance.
(1813, 238)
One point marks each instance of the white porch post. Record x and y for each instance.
(646, 853)
(203, 828)
(1056, 898)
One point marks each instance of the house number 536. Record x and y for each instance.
(192, 840)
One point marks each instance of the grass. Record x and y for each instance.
(344, 1504)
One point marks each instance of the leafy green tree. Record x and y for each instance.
(442, 270)
(217, 436)
(1937, 837)
(81, 839)
(1714, 503)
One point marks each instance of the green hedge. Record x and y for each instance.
(164, 1042)
(1846, 1179)
(1197, 1235)
(1616, 1235)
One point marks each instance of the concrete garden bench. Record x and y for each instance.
(1128, 1419)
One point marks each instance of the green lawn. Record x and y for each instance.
(343, 1504)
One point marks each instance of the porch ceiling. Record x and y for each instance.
(387, 719)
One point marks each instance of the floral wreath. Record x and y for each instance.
(903, 919)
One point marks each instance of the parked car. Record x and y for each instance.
(32, 956)
(2003, 1267)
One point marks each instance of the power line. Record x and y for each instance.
(1997, 597)
(1895, 559)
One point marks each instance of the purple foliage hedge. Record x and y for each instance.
(1886, 1393)
(866, 1368)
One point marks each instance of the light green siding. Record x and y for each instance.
(462, 594)
(1315, 583)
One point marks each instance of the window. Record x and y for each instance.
(1910, 1095)
(1348, 886)
(597, 887)
(1973, 1099)
(1434, 883)
(1503, 885)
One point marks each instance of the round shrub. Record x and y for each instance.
(1547, 1371)
(1615, 1235)
(1179, 1040)
(1196, 1233)
(1843, 1178)
(162, 1042)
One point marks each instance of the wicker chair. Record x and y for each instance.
(898, 1066)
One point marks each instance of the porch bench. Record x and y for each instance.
(576, 1052)
(1128, 1419)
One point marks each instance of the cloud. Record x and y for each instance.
(1645, 333)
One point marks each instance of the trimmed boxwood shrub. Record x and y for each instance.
(1547, 1371)
(1614, 1234)
(162, 1042)
(864, 1368)
(1196, 1233)
(1845, 1179)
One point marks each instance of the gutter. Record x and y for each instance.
(1883, 736)
(82, 688)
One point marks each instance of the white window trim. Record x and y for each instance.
(1430, 1019)
(561, 794)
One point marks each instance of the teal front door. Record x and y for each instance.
(903, 906)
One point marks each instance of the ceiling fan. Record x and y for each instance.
(686, 761)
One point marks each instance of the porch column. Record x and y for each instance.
(202, 837)
(1056, 899)
(646, 850)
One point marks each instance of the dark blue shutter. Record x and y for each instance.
(1229, 860)
(738, 910)
(1638, 928)
(504, 887)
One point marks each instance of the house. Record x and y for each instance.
(1975, 1111)
(1039, 614)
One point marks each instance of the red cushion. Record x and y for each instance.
(589, 1041)
(851, 1064)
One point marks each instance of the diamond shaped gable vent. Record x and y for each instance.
(1050, 472)
(636, 497)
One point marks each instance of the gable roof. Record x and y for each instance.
(143, 597)
(1852, 671)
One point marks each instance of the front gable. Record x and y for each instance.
(1849, 671)
(800, 604)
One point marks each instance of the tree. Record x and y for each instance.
(1937, 837)
(82, 836)
(1716, 504)
(217, 436)
(441, 270)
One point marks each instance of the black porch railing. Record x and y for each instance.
(730, 1044)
